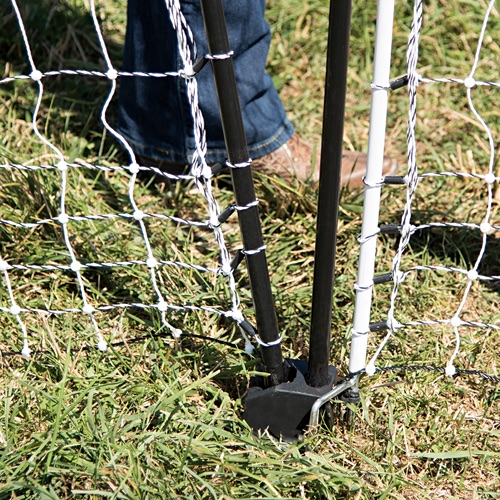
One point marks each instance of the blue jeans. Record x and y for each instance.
(154, 114)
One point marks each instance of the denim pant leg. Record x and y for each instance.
(155, 115)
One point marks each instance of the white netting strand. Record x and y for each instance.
(456, 313)
(148, 261)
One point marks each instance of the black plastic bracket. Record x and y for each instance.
(399, 82)
(381, 326)
(382, 278)
(217, 168)
(390, 229)
(397, 180)
(237, 260)
(227, 212)
(200, 63)
(284, 409)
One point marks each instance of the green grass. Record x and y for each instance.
(157, 418)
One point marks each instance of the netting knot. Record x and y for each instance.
(472, 275)
(75, 266)
(4, 265)
(62, 166)
(237, 315)
(490, 178)
(450, 370)
(152, 262)
(398, 276)
(133, 168)
(370, 369)
(226, 269)
(63, 218)
(88, 309)
(26, 351)
(469, 82)
(486, 228)
(102, 345)
(112, 74)
(138, 215)
(214, 221)
(15, 310)
(36, 75)
(187, 72)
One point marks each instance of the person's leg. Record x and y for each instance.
(155, 115)
(152, 111)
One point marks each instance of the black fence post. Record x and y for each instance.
(237, 151)
(329, 190)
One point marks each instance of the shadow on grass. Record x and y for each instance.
(461, 247)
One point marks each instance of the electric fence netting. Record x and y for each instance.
(446, 259)
(65, 214)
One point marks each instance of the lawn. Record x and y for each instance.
(158, 417)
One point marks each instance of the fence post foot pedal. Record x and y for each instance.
(284, 409)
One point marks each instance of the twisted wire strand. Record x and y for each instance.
(437, 369)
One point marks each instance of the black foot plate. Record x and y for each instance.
(285, 408)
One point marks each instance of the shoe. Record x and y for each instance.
(295, 160)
